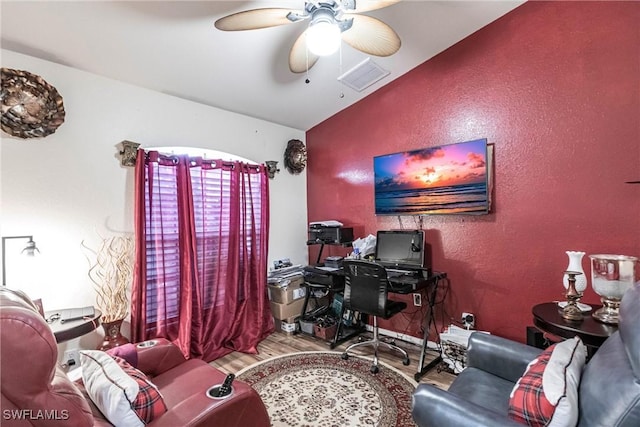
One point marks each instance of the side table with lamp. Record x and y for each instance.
(612, 276)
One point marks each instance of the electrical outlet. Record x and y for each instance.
(468, 320)
(417, 300)
(71, 358)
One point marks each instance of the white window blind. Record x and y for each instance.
(213, 214)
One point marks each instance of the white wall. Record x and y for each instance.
(69, 186)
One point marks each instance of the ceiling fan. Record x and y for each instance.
(329, 22)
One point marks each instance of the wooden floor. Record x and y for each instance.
(279, 344)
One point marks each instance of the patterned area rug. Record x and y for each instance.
(319, 389)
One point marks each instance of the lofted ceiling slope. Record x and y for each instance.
(174, 48)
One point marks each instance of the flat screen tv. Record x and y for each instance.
(446, 179)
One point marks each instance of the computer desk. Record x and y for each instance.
(430, 284)
(334, 279)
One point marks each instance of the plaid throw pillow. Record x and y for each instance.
(547, 393)
(123, 394)
(148, 403)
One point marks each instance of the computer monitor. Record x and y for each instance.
(402, 249)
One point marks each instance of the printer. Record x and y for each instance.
(329, 232)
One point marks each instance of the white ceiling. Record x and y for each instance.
(173, 47)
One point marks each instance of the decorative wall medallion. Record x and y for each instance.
(295, 156)
(31, 107)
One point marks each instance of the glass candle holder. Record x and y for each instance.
(611, 277)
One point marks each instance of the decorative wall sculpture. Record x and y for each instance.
(31, 107)
(295, 156)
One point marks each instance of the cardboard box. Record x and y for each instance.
(285, 311)
(288, 326)
(287, 291)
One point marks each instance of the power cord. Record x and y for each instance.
(410, 318)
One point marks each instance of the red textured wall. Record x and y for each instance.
(556, 87)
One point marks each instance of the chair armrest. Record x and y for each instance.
(433, 407)
(159, 358)
(499, 356)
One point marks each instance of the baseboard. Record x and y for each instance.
(403, 337)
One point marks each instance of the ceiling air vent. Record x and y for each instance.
(363, 75)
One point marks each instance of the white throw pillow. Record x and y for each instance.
(110, 388)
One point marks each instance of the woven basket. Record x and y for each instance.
(31, 107)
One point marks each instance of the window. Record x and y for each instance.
(211, 189)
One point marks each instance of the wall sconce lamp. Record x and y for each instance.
(129, 153)
(30, 250)
(272, 168)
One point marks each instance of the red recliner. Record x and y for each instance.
(36, 391)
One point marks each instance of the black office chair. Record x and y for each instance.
(365, 291)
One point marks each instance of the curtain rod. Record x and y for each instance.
(129, 155)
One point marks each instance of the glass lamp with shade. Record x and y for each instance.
(30, 249)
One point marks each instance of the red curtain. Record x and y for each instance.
(201, 254)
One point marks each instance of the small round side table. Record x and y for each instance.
(548, 318)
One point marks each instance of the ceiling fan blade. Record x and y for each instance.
(299, 55)
(372, 36)
(369, 5)
(254, 19)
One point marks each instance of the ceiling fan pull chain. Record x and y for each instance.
(340, 73)
(306, 52)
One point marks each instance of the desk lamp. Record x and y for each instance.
(30, 250)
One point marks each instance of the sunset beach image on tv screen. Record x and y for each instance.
(446, 179)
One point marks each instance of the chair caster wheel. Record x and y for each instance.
(406, 362)
(374, 369)
(345, 356)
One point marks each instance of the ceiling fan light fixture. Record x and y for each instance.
(324, 34)
(330, 23)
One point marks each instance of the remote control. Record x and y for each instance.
(225, 388)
